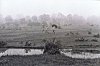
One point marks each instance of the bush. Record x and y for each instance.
(52, 47)
(97, 36)
(2, 43)
(89, 32)
(94, 40)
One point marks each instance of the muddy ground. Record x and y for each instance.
(18, 37)
(46, 60)
(14, 38)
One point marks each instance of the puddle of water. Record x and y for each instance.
(66, 52)
(83, 55)
(21, 52)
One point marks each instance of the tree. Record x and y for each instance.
(22, 20)
(44, 19)
(79, 20)
(28, 19)
(69, 18)
(61, 19)
(1, 19)
(8, 19)
(34, 19)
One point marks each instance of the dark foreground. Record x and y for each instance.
(46, 60)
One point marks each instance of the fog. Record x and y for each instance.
(50, 11)
(37, 7)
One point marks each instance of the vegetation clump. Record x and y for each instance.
(52, 47)
(94, 40)
(97, 36)
(3, 43)
(81, 39)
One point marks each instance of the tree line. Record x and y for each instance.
(46, 19)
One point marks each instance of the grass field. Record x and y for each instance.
(46, 60)
(14, 37)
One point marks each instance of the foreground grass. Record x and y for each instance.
(46, 60)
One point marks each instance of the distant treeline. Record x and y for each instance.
(46, 19)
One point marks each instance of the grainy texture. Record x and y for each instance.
(46, 60)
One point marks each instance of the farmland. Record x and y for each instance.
(46, 60)
(15, 37)
(49, 33)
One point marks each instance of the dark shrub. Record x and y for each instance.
(2, 43)
(94, 40)
(97, 36)
(28, 43)
(81, 39)
(51, 48)
(89, 32)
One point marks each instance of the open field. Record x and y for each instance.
(49, 33)
(15, 37)
(46, 60)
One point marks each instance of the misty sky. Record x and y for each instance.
(38, 7)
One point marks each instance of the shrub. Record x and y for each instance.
(52, 47)
(94, 40)
(97, 36)
(2, 43)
